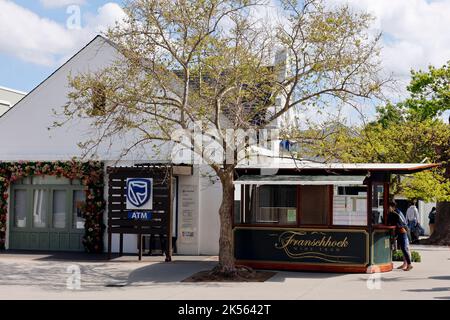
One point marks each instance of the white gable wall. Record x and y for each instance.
(24, 129)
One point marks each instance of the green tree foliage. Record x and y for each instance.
(407, 132)
(429, 93)
(395, 142)
(427, 186)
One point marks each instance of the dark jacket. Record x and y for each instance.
(432, 216)
(397, 219)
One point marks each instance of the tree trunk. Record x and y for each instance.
(441, 234)
(226, 256)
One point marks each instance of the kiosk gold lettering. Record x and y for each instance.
(292, 238)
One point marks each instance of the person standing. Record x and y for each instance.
(412, 218)
(432, 219)
(396, 219)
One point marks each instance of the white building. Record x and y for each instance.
(8, 98)
(27, 136)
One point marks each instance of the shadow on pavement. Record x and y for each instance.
(52, 271)
(55, 256)
(440, 278)
(53, 275)
(81, 257)
(177, 271)
(439, 289)
(49, 269)
(172, 272)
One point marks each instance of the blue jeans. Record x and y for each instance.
(403, 242)
(412, 227)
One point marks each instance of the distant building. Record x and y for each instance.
(8, 98)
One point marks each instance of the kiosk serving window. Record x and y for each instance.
(277, 204)
(284, 204)
(304, 201)
(377, 203)
(271, 204)
(350, 206)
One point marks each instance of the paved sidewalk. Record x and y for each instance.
(30, 276)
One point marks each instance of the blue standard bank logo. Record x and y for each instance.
(139, 194)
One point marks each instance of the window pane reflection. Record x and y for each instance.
(59, 209)
(79, 199)
(40, 205)
(377, 203)
(20, 208)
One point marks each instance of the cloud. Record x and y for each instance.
(31, 38)
(60, 3)
(106, 16)
(415, 32)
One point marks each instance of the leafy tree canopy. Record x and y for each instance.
(409, 131)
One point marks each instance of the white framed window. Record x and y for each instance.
(350, 205)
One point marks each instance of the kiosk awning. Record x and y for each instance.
(300, 180)
(291, 164)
